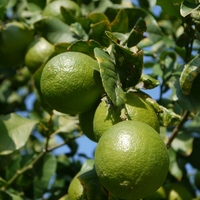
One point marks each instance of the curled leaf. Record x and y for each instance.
(147, 82)
(190, 72)
(168, 117)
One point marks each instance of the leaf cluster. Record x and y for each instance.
(137, 47)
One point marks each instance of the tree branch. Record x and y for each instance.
(35, 160)
(177, 129)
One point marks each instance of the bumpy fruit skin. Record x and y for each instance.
(131, 160)
(14, 39)
(37, 53)
(135, 109)
(70, 84)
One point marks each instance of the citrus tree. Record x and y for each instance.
(126, 74)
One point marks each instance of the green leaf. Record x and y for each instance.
(188, 7)
(110, 79)
(120, 23)
(67, 15)
(170, 7)
(136, 34)
(189, 73)
(129, 63)
(78, 31)
(147, 82)
(96, 17)
(168, 117)
(44, 170)
(3, 8)
(193, 158)
(86, 47)
(183, 143)
(54, 30)
(67, 124)
(188, 102)
(10, 196)
(174, 168)
(98, 32)
(15, 131)
(90, 182)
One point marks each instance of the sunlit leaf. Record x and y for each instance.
(110, 79)
(15, 131)
(44, 170)
(188, 7)
(67, 123)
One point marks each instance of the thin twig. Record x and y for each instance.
(35, 160)
(177, 129)
(21, 171)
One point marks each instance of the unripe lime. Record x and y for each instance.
(14, 39)
(131, 160)
(38, 52)
(135, 109)
(70, 84)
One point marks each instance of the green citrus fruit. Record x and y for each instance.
(70, 84)
(131, 160)
(37, 89)
(197, 180)
(53, 8)
(14, 39)
(37, 53)
(85, 185)
(76, 190)
(135, 109)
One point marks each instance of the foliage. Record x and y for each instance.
(128, 40)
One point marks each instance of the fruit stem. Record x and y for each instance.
(177, 128)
